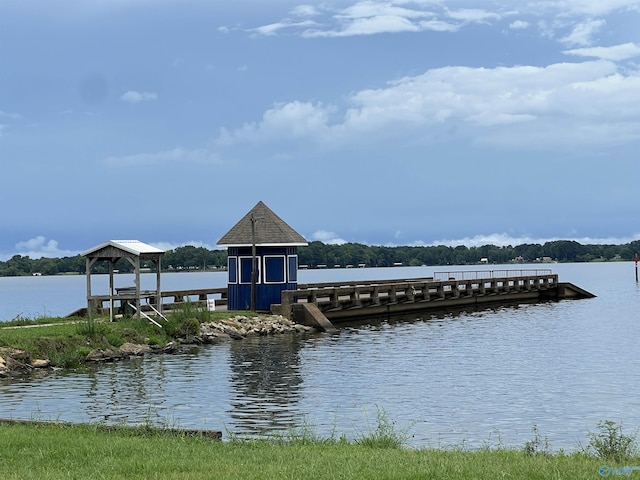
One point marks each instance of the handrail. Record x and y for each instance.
(200, 292)
(481, 274)
(354, 283)
(177, 295)
(145, 315)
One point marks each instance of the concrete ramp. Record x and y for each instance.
(569, 290)
(309, 314)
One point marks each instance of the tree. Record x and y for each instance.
(20, 265)
(563, 250)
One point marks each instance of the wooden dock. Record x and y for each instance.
(320, 304)
(343, 301)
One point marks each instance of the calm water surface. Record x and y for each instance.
(477, 378)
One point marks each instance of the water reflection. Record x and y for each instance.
(266, 381)
(122, 393)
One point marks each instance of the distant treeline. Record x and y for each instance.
(320, 255)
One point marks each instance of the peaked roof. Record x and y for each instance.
(132, 247)
(270, 230)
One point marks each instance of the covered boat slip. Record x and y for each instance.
(135, 252)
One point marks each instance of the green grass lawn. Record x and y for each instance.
(87, 452)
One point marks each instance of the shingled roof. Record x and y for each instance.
(270, 230)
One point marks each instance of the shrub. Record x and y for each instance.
(91, 329)
(385, 435)
(538, 445)
(188, 309)
(190, 328)
(182, 327)
(68, 358)
(610, 443)
(115, 338)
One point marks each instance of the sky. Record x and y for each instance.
(394, 122)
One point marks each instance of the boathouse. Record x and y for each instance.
(135, 252)
(262, 259)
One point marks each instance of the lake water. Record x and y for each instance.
(475, 377)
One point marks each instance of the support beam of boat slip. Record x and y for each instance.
(309, 314)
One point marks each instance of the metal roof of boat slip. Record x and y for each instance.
(133, 247)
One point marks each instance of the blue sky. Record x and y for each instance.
(382, 122)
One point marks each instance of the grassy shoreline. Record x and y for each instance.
(86, 451)
(72, 342)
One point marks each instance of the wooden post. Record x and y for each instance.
(89, 263)
(111, 290)
(158, 289)
(254, 272)
(137, 280)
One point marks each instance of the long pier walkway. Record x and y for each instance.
(350, 300)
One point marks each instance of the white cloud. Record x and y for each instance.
(589, 103)
(39, 247)
(10, 116)
(370, 9)
(594, 7)
(473, 15)
(615, 53)
(378, 24)
(13, 116)
(439, 26)
(305, 11)
(274, 28)
(582, 33)
(133, 96)
(369, 17)
(176, 156)
(504, 240)
(292, 120)
(519, 25)
(326, 237)
(481, 96)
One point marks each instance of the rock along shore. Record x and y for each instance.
(16, 363)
